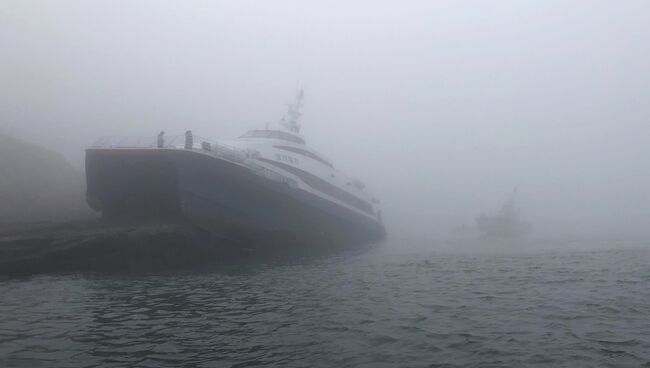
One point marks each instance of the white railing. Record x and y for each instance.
(125, 142)
(174, 142)
(217, 149)
(200, 144)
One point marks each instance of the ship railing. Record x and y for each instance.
(200, 144)
(218, 149)
(205, 145)
(125, 142)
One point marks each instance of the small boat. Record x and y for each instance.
(506, 224)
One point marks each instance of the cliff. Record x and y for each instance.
(37, 184)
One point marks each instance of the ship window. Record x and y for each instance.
(290, 138)
(305, 153)
(325, 187)
(275, 134)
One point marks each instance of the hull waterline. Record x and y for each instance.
(218, 195)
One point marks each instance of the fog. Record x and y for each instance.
(442, 107)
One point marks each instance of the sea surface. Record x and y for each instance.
(384, 307)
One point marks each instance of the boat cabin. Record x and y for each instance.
(274, 134)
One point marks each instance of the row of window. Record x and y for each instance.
(275, 134)
(325, 187)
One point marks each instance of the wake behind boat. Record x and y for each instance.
(266, 183)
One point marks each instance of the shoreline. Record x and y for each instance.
(100, 246)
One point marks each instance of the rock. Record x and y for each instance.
(95, 246)
(38, 184)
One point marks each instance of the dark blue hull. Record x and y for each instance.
(216, 194)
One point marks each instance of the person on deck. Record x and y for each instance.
(161, 139)
(189, 140)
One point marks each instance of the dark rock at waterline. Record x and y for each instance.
(95, 246)
(38, 184)
(125, 247)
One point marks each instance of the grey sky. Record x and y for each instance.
(441, 106)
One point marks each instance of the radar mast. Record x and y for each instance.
(290, 120)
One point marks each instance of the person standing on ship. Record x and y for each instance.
(189, 140)
(161, 139)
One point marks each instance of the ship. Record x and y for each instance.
(506, 224)
(266, 184)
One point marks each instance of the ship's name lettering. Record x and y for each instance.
(286, 158)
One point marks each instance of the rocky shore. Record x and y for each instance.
(97, 246)
(38, 184)
(122, 247)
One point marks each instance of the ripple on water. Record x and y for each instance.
(376, 309)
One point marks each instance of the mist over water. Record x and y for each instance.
(383, 308)
(444, 109)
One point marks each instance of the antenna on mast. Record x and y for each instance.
(290, 120)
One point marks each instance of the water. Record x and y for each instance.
(380, 308)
